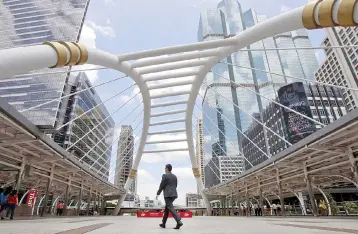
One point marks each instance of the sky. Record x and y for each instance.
(119, 26)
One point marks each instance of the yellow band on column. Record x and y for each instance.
(84, 53)
(196, 172)
(346, 13)
(308, 18)
(74, 53)
(60, 51)
(325, 13)
(132, 174)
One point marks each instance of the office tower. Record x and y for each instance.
(88, 136)
(194, 200)
(200, 148)
(25, 23)
(224, 107)
(147, 203)
(341, 65)
(125, 158)
(322, 103)
(212, 172)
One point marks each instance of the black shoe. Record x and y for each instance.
(2, 218)
(11, 218)
(179, 224)
(162, 225)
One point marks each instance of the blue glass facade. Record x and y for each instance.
(89, 136)
(31, 22)
(226, 21)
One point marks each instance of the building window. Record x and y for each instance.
(325, 121)
(314, 112)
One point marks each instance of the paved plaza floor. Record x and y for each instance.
(197, 225)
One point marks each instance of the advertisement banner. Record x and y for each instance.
(294, 96)
(31, 196)
(155, 214)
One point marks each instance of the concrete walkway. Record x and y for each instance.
(203, 225)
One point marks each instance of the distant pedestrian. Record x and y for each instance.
(278, 209)
(259, 210)
(274, 209)
(12, 203)
(58, 209)
(1, 196)
(256, 209)
(4, 202)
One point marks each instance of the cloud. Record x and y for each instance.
(284, 8)
(108, 21)
(205, 4)
(109, 2)
(145, 176)
(106, 31)
(88, 38)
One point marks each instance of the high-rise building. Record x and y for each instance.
(222, 168)
(194, 200)
(25, 23)
(147, 203)
(341, 65)
(125, 158)
(324, 104)
(225, 104)
(200, 149)
(212, 172)
(88, 137)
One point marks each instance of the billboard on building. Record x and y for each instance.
(294, 97)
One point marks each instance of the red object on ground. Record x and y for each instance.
(155, 214)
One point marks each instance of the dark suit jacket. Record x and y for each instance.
(169, 185)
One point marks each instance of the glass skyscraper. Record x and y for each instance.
(31, 22)
(89, 137)
(226, 21)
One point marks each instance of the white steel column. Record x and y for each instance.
(299, 196)
(326, 200)
(20, 173)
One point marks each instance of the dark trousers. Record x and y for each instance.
(10, 209)
(170, 208)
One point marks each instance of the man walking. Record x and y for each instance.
(169, 186)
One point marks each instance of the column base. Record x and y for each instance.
(119, 205)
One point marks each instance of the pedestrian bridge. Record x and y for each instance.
(328, 155)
